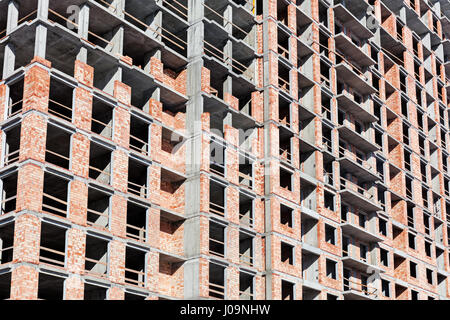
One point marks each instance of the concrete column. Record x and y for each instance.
(117, 41)
(13, 16)
(154, 21)
(83, 30)
(194, 110)
(228, 85)
(9, 60)
(41, 41)
(42, 10)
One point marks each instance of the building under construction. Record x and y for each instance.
(224, 149)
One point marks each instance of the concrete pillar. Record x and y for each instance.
(154, 21)
(13, 16)
(83, 30)
(194, 110)
(9, 60)
(41, 30)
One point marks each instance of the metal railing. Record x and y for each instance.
(141, 233)
(217, 209)
(8, 200)
(345, 153)
(50, 260)
(12, 157)
(220, 243)
(5, 258)
(56, 113)
(145, 149)
(246, 219)
(100, 215)
(140, 275)
(217, 290)
(365, 289)
(138, 189)
(51, 208)
(246, 259)
(345, 184)
(104, 274)
(105, 126)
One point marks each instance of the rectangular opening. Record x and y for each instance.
(102, 118)
(93, 292)
(245, 171)
(136, 222)
(287, 290)
(331, 269)
(98, 208)
(384, 258)
(100, 163)
(329, 201)
(286, 216)
(330, 234)
(217, 158)
(413, 269)
(246, 291)
(216, 198)
(287, 253)
(245, 209)
(12, 144)
(52, 245)
(5, 286)
(58, 144)
(216, 281)
(15, 101)
(286, 179)
(216, 239)
(61, 99)
(6, 242)
(246, 249)
(50, 287)
(135, 267)
(9, 193)
(137, 178)
(55, 194)
(96, 257)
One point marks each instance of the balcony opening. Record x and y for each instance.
(135, 267)
(283, 44)
(137, 178)
(5, 286)
(408, 183)
(6, 243)
(384, 258)
(308, 195)
(246, 290)
(327, 141)
(412, 241)
(287, 253)
(382, 226)
(96, 257)
(61, 99)
(217, 158)
(284, 77)
(286, 216)
(98, 209)
(15, 101)
(139, 135)
(216, 281)
(430, 276)
(50, 287)
(9, 193)
(410, 215)
(136, 222)
(285, 144)
(286, 178)
(323, 14)
(309, 230)
(246, 249)
(52, 245)
(284, 111)
(58, 146)
(325, 73)
(246, 210)
(282, 12)
(287, 290)
(100, 163)
(428, 249)
(216, 198)
(245, 171)
(331, 269)
(310, 266)
(426, 222)
(12, 144)
(330, 234)
(55, 195)
(329, 201)
(93, 292)
(102, 118)
(216, 239)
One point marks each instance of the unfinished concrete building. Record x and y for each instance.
(224, 149)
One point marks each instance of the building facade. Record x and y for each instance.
(224, 149)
